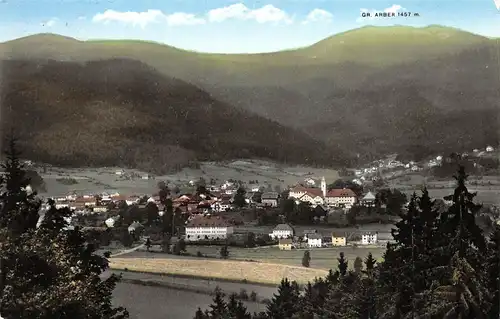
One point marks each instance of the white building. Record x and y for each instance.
(100, 209)
(369, 238)
(314, 240)
(340, 198)
(489, 149)
(282, 231)
(208, 228)
(297, 192)
(110, 222)
(315, 199)
(62, 205)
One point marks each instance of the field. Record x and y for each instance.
(283, 261)
(105, 179)
(253, 272)
(321, 258)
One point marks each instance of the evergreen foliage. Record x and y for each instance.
(48, 269)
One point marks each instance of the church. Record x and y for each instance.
(344, 198)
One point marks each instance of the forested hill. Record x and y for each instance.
(123, 112)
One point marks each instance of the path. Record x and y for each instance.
(123, 252)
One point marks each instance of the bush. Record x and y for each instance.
(253, 296)
(243, 294)
(199, 254)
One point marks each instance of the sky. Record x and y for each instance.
(225, 26)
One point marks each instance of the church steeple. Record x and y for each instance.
(323, 186)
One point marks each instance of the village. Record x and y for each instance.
(209, 213)
(310, 214)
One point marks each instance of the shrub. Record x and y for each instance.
(243, 294)
(253, 296)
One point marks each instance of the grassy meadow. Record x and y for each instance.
(252, 272)
(321, 258)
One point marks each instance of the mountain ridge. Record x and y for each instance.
(356, 98)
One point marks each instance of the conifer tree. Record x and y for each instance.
(459, 227)
(398, 273)
(49, 271)
(236, 309)
(218, 308)
(286, 302)
(459, 289)
(492, 271)
(343, 264)
(370, 264)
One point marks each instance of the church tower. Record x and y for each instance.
(323, 186)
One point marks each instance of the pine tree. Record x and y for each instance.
(285, 302)
(47, 269)
(459, 258)
(370, 264)
(492, 271)
(236, 309)
(218, 308)
(398, 274)
(458, 224)
(343, 264)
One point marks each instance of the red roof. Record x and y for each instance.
(208, 221)
(315, 192)
(346, 192)
(311, 190)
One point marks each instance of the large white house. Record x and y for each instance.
(282, 231)
(314, 240)
(369, 238)
(208, 228)
(340, 198)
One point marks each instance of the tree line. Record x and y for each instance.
(440, 265)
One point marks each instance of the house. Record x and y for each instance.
(110, 222)
(341, 198)
(62, 205)
(282, 231)
(369, 238)
(131, 200)
(221, 206)
(368, 200)
(285, 244)
(308, 232)
(489, 149)
(315, 240)
(298, 191)
(270, 199)
(339, 239)
(313, 196)
(135, 227)
(100, 209)
(208, 228)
